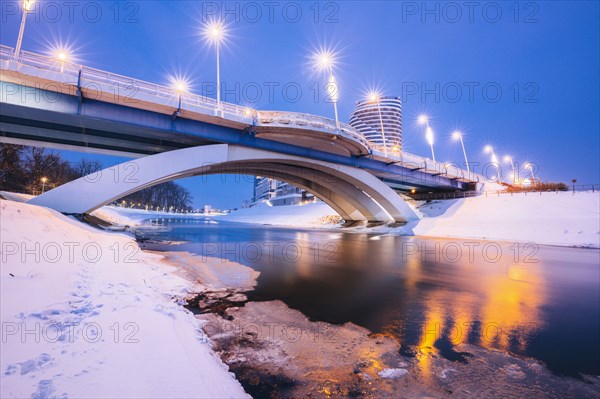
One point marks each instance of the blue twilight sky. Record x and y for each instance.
(523, 77)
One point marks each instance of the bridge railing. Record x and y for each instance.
(428, 165)
(120, 84)
(130, 87)
(309, 121)
(440, 196)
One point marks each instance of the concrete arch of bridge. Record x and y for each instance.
(354, 193)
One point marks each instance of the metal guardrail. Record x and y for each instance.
(440, 196)
(417, 162)
(207, 105)
(582, 188)
(585, 188)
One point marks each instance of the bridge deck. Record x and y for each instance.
(71, 106)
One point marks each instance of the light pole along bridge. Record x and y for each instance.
(174, 134)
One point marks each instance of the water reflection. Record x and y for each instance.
(431, 294)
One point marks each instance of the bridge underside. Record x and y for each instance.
(355, 194)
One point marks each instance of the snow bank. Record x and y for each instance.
(18, 197)
(548, 218)
(308, 215)
(85, 313)
(135, 217)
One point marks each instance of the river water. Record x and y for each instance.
(535, 301)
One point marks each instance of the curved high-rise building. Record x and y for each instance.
(371, 117)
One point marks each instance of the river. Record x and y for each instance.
(536, 301)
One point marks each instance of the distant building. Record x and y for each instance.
(207, 209)
(275, 193)
(370, 116)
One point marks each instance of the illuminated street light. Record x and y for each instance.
(424, 120)
(508, 158)
(529, 166)
(457, 135)
(375, 97)
(215, 33)
(325, 61)
(181, 87)
(62, 56)
(44, 180)
(490, 150)
(26, 5)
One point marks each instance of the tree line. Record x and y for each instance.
(31, 170)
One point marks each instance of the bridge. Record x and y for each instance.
(174, 134)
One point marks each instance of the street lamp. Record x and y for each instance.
(44, 180)
(457, 135)
(215, 33)
(180, 86)
(62, 56)
(424, 120)
(529, 166)
(490, 150)
(508, 158)
(325, 61)
(374, 96)
(26, 5)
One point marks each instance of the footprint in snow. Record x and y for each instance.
(28, 366)
(46, 390)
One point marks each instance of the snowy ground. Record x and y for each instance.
(85, 313)
(134, 217)
(309, 215)
(550, 218)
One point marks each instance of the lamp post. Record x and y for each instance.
(44, 180)
(62, 57)
(424, 120)
(325, 62)
(180, 88)
(529, 166)
(26, 5)
(457, 135)
(508, 158)
(376, 97)
(490, 150)
(215, 33)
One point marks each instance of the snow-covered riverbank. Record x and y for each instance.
(85, 313)
(549, 218)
